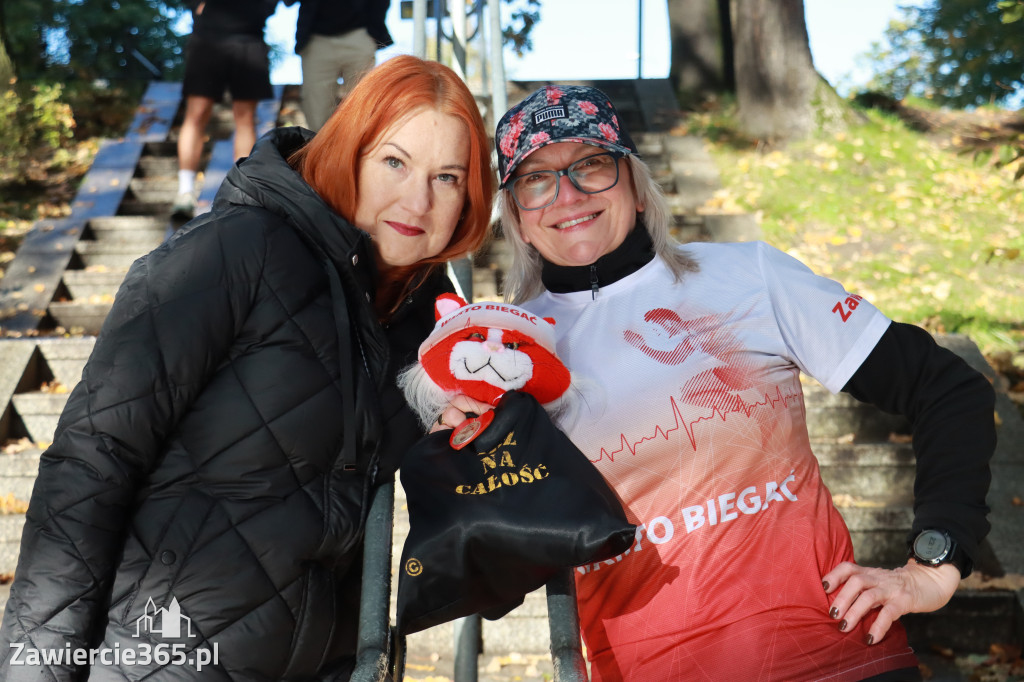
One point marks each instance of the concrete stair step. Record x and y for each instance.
(873, 471)
(22, 463)
(867, 515)
(865, 422)
(973, 620)
(146, 231)
(485, 284)
(66, 357)
(649, 145)
(222, 123)
(158, 166)
(18, 469)
(154, 190)
(666, 180)
(524, 630)
(82, 317)
(687, 227)
(86, 285)
(878, 532)
(113, 255)
(39, 412)
(10, 543)
(872, 485)
(885, 453)
(162, 149)
(658, 100)
(133, 206)
(696, 176)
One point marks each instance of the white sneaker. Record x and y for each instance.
(184, 207)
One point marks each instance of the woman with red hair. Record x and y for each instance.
(200, 512)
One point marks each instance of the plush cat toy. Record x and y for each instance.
(483, 350)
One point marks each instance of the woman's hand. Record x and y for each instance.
(912, 588)
(458, 411)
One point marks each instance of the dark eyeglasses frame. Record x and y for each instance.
(565, 171)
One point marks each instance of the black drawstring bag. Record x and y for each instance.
(498, 519)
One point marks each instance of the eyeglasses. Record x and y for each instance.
(591, 175)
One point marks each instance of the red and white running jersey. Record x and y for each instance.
(694, 414)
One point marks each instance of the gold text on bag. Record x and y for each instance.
(499, 470)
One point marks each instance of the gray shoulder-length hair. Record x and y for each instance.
(522, 279)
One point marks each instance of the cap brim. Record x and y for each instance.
(594, 142)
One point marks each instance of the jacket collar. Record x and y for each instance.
(266, 180)
(635, 251)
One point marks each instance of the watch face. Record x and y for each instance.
(931, 545)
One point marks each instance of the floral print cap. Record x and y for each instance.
(558, 113)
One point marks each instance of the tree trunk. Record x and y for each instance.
(701, 61)
(6, 67)
(775, 77)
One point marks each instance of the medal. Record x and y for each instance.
(465, 432)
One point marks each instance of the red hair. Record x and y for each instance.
(386, 95)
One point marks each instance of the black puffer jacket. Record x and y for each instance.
(203, 459)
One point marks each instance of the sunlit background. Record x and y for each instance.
(603, 40)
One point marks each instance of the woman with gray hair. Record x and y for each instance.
(524, 275)
(742, 567)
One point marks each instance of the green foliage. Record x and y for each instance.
(1013, 10)
(31, 116)
(961, 53)
(517, 32)
(103, 111)
(44, 152)
(23, 26)
(899, 64)
(91, 39)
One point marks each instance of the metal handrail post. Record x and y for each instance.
(419, 28)
(457, 14)
(373, 644)
(564, 622)
(499, 89)
(468, 634)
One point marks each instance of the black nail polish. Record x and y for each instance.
(871, 640)
(833, 612)
(842, 625)
(824, 583)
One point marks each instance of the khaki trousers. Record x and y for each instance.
(325, 59)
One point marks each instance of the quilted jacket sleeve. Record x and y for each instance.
(173, 321)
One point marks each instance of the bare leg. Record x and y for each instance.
(193, 129)
(244, 112)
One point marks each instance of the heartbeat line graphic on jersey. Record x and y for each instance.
(738, 406)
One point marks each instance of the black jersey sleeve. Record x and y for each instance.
(951, 408)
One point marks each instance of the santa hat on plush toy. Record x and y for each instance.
(522, 331)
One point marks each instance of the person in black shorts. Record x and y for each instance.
(226, 51)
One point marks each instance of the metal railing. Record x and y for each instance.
(458, 13)
(380, 652)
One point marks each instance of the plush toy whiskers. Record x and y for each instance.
(483, 350)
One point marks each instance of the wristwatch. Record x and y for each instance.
(934, 547)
